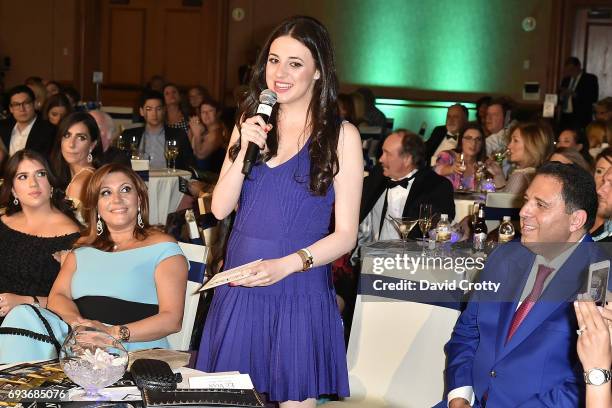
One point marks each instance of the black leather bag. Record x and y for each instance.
(154, 374)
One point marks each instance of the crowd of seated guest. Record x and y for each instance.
(123, 276)
(84, 142)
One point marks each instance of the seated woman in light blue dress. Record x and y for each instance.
(123, 277)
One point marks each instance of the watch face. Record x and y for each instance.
(596, 377)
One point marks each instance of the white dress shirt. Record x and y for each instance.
(20, 138)
(446, 144)
(396, 200)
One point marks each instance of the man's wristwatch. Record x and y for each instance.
(124, 333)
(597, 376)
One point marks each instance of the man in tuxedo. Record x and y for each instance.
(24, 129)
(517, 347)
(579, 91)
(152, 137)
(110, 154)
(445, 137)
(398, 185)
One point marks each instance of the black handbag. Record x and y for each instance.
(154, 374)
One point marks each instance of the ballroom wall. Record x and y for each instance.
(416, 48)
(40, 38)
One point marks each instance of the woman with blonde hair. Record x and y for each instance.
(530, 144)
(598, 134)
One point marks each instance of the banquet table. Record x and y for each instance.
(396, 349)
(164, 194)
(464, 202)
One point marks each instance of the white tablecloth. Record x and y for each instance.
(164, 195)
(464, 203)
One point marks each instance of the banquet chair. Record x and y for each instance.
(497, 205)
(197, 256)
(396, 354)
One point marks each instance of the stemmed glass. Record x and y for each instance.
(403, 226)
(425, 221)
(134, 147)
(171, 152)
(462, 168)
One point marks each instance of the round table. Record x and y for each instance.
(164, 194)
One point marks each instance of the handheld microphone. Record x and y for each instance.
(267, 99)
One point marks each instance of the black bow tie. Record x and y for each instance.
(449, 136)
(402, 183)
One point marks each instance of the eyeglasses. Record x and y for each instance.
(473, 139)
(23, 105)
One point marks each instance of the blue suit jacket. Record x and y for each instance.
(539, 366)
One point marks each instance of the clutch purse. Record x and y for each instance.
(202, 398)
(154, 374)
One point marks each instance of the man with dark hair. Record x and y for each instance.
(604, 193)
(152, 137)
(398, 185)
(24, 129)
(445, 137)
(517, 347)
(578, 92)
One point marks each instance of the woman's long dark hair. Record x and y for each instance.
(58, 198)
(482, 153)
(60, 166)
(322, 110)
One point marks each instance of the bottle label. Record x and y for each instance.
(443, 235)
(479, 241)
(506, 237)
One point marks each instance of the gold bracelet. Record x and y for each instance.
(306, 257)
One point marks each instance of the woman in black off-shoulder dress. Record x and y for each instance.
(38, 224)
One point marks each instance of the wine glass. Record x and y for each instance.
(403, 226)
(134, 147)
(425, 221)
(462, 169)
(92, 359)
(171, 152)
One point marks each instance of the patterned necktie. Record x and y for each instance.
(521, 313)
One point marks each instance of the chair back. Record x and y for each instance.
(499, 205)
(396, 353)
(197, 256)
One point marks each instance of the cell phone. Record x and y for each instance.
(183, 185)
(597, 286)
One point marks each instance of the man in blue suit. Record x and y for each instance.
(517, 347)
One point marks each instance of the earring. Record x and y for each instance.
(99, 226)
(51, 192)
(16, 201)
(139, 219)
(89, 158)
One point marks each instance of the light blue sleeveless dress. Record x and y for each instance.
(127, 276)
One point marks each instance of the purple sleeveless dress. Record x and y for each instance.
(288, 336)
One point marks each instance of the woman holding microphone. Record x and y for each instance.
(281, 324)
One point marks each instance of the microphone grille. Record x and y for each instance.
(268, 97)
